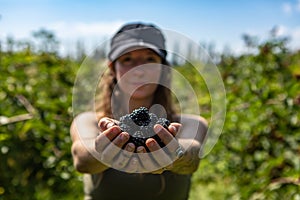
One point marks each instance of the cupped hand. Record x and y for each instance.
(159, 158)
(110, 145)
(115, 151)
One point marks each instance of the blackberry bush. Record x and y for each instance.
(139, 124)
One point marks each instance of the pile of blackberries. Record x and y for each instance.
(139, 124)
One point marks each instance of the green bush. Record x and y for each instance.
(257, 156)
(36, 91)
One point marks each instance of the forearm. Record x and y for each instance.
(84, 161)
(189, 162)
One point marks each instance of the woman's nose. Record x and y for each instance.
(139, 70)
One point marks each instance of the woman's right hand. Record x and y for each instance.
(109, 144)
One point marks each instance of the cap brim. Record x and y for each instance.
(125, 48)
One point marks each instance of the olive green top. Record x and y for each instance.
(116, 185)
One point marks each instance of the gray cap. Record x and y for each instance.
(137, 36)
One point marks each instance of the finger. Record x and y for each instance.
(133, 165)
(130, 147)
(106, 137)
(114, 147)
(147, 162)
(174, 128)
(179, 152)
(158, 153)
(122, 159)
(164, 135)
(171, 142)
(105, 123)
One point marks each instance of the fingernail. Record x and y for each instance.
(130, 147)
(151, 143)
(115, 130)
(110, 124)
(157, 128)
(123, 136)
(173, 128)
(139, 149)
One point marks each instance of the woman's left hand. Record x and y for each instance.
(160, 158)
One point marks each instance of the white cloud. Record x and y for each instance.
(84, 30)
(298, 6)
(290, 8)
(282, 30)
(294, 33)
(287, 8)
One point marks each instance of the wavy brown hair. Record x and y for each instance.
(108, 91)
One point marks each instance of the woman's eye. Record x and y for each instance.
(126, 60)
(152, 60)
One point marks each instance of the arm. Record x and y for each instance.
(97, 147)
(84, 131)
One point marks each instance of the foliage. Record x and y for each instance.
(256, 157)
(35, 151)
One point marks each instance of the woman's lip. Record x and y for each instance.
(138, 84)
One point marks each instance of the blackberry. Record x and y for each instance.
(127, 125)
(140, 116)
(164, 122)
(147, 130)
(153, 117)
(138, 138)
(139, 124)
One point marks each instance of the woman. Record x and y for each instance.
(139, 76)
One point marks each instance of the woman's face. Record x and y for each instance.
(138, 73)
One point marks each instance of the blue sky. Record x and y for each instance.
(221, 22)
